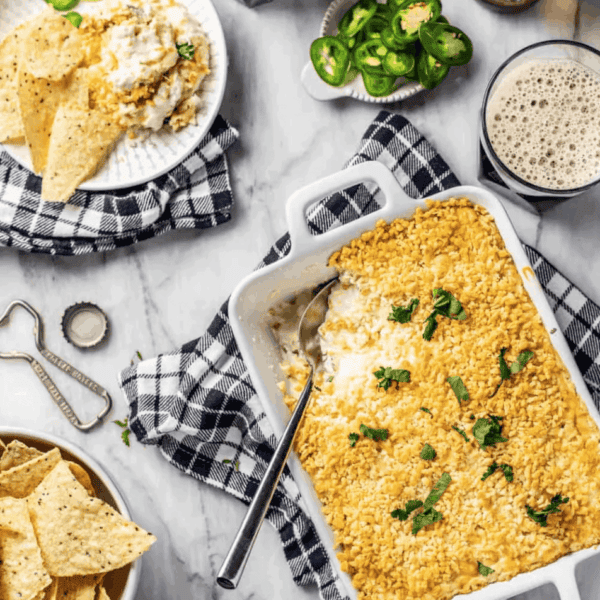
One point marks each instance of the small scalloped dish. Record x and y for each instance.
(320, 90)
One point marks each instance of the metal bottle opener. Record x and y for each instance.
(59, 399)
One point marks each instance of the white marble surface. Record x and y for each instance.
(165, 291)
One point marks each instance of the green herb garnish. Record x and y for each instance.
(228, 462)
(487, 431)
(506, 371)
(427, 453)
(458, 387)
(506, 469)
(483, 570)
(126, 431)
(402, 314)
(461, 431)
(402, 514)
(330, 379)
(541, 516)
(353, 439)
(426, 410)
(185, 50)
(377, 435)
(427, 517)
(74, 18)
(445, 305)
(387, 375)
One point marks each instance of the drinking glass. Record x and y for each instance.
(543, 51)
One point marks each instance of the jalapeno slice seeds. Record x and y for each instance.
(357, 17)
(331, 58)
(411, 14)
(369, 56)
(448, 44)
(398, 63)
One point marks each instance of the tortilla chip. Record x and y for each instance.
(81, 140)
(102, 594)
(82, 476)
(78, 534)
(20, 481)
(78, 587)
(17, 453)
(51, 592)
(39, 100)
(52, 46)
(11, 126)
(22, 572)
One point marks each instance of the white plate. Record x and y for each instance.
(131, 165)
(305, 266)
(320, 90)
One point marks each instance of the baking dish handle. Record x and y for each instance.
(566, 584)
(374, 171)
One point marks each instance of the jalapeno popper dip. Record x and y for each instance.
(71, 92)
(444, 437)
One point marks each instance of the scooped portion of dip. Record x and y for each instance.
(147, 63)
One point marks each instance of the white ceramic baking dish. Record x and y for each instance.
(306, 266)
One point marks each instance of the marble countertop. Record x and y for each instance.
(164, 292)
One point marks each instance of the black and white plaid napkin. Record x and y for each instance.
(196, 194)
(199, 406)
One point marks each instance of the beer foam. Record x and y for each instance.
(543, 121)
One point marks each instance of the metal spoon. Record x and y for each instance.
(308, 341)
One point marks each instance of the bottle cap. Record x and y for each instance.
(85, 325)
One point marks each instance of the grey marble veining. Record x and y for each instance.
(164, 292)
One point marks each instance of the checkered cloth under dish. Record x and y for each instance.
(196, 194)
(198, 403)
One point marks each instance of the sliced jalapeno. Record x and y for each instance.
(390, 41)
(398, 63)
(74, 18)
(352, 42)
(379, 85)
(369, 55)
(64, 4)
(375, 26)
(448, 44)
(330, 57)
(430, 71)
(357, 17)
(411, 15)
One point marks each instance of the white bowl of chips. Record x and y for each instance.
(74, 524)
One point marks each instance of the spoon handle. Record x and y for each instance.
(233, 566)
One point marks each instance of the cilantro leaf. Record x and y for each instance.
(541, 516)
(506, 371)
(427, 517)
(446, 305)
(185, 50)
(490, 471)
(228, 462)
(461, 431)
(458, 387)
(487, 431)
(430, 326)
(402, 314)
(353, 439)
(427, 453)
(521, 361)
(125, 436)
(438, 489)
(483, 570)
(402, 514)
(122, 423)
(426, 410)
(387, 375)
(508, 472)
(376, 435)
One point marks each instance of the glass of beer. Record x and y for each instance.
(540, 120)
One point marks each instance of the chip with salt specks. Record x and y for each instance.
(17, 453)
(79, 534)
(21, 480)
(11, 126)
(78, 587)
(86, 137)
(22, 572)
(39, 100)
(51, 48)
